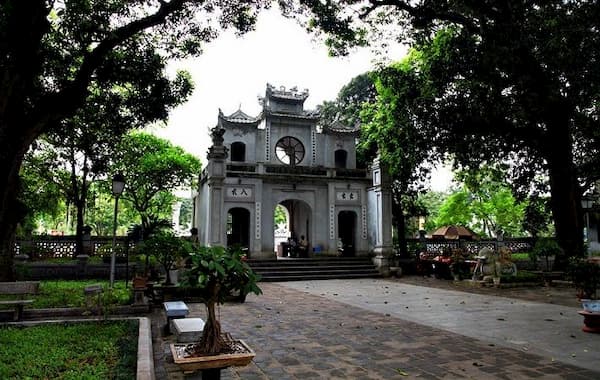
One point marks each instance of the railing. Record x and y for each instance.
(235, 169)
(474, 246)
(48, 247)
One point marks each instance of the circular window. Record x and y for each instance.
(289, 150)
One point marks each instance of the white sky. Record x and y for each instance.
(234, 71)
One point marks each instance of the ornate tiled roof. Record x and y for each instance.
(239, 117)
(337, 127)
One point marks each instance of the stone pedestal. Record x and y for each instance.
(187, 330)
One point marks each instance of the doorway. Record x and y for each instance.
(238, 227)
(347, 232)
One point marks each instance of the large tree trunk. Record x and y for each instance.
(12, 210)
(564, 187)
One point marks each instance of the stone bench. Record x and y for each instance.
(174, 310)
(21, 289)
(548, 277)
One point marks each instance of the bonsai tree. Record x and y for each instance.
(166, 248)
(546, 248)
(216, 273)
(585, 276)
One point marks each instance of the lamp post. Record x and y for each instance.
(586, 204)
(118, 185)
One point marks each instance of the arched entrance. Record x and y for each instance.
(299, 222)
(238, 227)
(347, 232)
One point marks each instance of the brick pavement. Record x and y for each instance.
(301, 336)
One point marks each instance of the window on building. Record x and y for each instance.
(289, 150)
(238, 151)
(341, 156)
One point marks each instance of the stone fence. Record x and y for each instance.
(515, 245)
(52, 247)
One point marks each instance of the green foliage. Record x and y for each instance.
(280, 216)
(67, 61)
(496, 82)
(520, 256)
(545, 248)
(166, 248)
(62, 293)
(153, 167)
(485, 203)
(224, 267)
(97, 350)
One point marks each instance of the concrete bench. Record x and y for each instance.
(548, 277)
(21, 289)
(174, 310)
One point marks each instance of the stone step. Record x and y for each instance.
(290, 269)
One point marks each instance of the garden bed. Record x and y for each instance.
(69, 350)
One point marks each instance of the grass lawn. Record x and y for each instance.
(69, 293)
(90, 350)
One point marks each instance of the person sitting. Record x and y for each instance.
(303, 246)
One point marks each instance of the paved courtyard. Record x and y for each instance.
(386, 329)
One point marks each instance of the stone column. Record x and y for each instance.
(383, 247)
(217, 155)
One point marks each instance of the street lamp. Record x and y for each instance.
(118, 184)
(587, 203)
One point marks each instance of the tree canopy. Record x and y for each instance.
(512, 80)
(153, 168)
(56, 53)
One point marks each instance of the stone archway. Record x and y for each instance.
(299, 220)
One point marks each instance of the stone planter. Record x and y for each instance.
(592, 306)
(243, 356)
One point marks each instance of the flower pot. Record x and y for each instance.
(243, 356)
(496, 280)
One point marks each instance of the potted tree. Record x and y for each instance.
(585, 275)
(167, 249)
(544, 253)
(214, 274)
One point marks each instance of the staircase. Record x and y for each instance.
(314, 268)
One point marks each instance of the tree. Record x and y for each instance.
(54, 53)
(217, 272)
(513, 79)
(388, 131)
(153, 167)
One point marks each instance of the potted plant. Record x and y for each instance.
(544, 253)
(214, 274)
(585, 276)
(167, 249)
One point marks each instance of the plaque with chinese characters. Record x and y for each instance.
(239, 192)
(347, 195)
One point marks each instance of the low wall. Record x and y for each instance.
(79, 269)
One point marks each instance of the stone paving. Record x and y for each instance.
(308, 333)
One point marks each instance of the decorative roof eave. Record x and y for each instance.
(307, 115)
(339, 128)
(239, 118)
